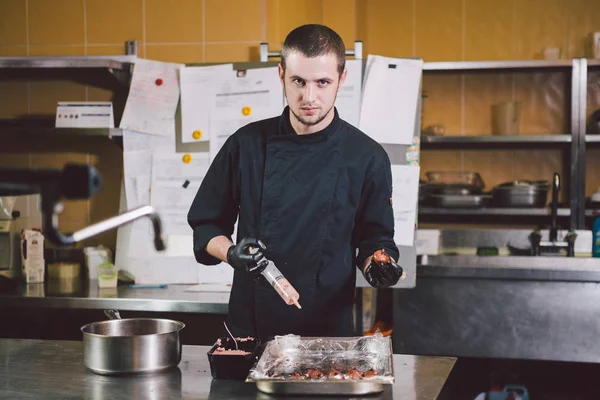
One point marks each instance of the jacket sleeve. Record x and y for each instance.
(374, 225)
(215, 207)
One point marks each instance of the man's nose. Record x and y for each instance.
(308, 92)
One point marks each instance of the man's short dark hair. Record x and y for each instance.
(314, 40)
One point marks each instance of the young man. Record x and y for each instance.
(310, 190)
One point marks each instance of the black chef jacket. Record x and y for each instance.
(313, 200)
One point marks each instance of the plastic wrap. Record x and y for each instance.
(6, 207)
(294, 358)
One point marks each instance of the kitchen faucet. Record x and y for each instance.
(73, 182)
(553, 245)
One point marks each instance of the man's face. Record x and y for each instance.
(311, 86)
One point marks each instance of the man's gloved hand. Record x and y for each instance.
(240, 256)
(382, 272)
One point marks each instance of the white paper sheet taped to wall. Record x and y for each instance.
(176, 178)
(137, 163)
(197, 94)
(245, 97)
(153, 98)
(405, 196)
(391, 91)
(348, 98)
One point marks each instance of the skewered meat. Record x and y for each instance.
(354, 374)
(314, 374)
(334, 374)
(381, 257)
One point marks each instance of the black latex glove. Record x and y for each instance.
(240, 256)
(382, 272)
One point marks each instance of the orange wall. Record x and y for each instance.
(231, 30)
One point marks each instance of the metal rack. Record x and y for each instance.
(584, 139)
(14, 131)
(494, 65)
(568, 141)
(592, 138)
(265, 54)
(120, 66)
(504, 211)
(432, 141)
(113, 63)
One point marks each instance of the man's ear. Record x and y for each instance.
(342, 78)
(281, 72)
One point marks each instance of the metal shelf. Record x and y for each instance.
(507, 139)
(98, 62)
(541, 212)
(14, 132)
(483, 65)
(592, 138)
(593, 62)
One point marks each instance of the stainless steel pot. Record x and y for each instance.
(131, 345)
(521, 194)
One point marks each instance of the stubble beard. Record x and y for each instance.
(321, 117)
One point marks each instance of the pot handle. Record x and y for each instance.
(112, 314)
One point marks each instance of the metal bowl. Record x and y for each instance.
(133, 345)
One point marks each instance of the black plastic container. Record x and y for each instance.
(232, 366)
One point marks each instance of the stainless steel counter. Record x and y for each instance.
(511, 267)
(174, 298)
(535, 308)
(34, 369)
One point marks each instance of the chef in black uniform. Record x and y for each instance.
(312, 193)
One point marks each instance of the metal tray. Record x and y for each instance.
(319, 388)
(459, 201)
(300, 353)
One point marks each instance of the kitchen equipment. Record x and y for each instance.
(520, 194)
(64, 270)
(459, 200)
(17, 213)
(506, 118)
(63, 287)
(292, 364)
(519, 251)
(132, 345)
(553, 245)
(452, 183)
(282, 286)
(73, 182)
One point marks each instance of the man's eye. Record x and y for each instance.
(298, 82)
(323, 82)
